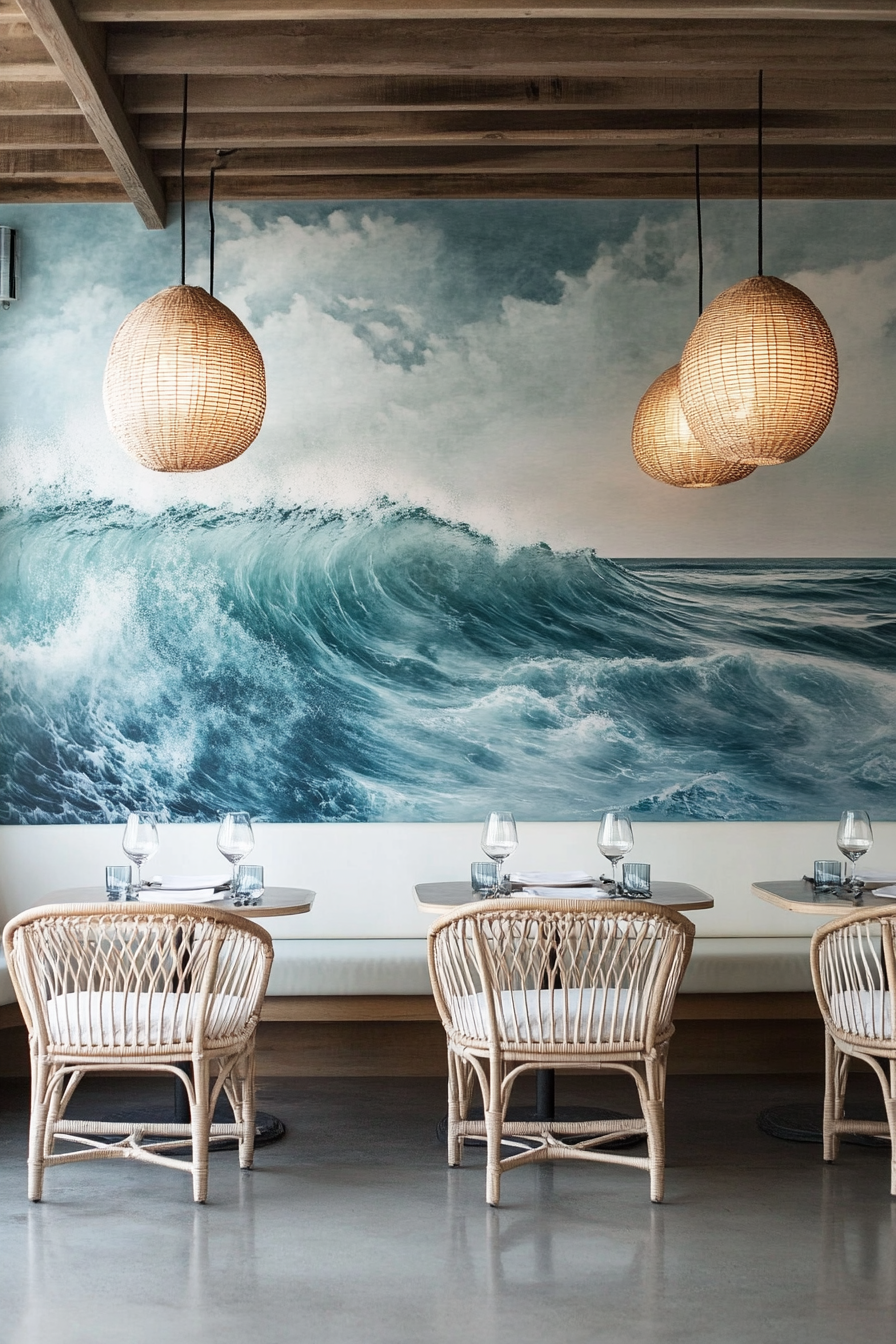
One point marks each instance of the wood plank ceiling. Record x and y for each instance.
(339, 99)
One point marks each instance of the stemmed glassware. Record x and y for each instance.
(235, 840)
(499, 839)
(854, 838)
(141, 839)
(615, 839)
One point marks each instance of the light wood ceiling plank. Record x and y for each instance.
(614, 159)
(50, 191)
(545, 127)
(42, 99)
(73, 164)
(274, 11)
(23, 56)
(45, 133)
(74, 50)
(280, 93)
(489, 48)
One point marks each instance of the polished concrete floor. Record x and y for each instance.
(353, 1229)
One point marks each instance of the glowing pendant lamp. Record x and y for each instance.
(662, 442)
(184, 387)
(758, 377)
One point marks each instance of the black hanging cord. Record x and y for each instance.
(183, 188)
(211, 232)
(759, 167)
(699, 230)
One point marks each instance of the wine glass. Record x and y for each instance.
(235, 840)
(614, 839)
(854, 838)
(499, 839)
(141, 839)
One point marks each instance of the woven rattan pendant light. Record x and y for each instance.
(662, 442)
(758, 377)
(184, 387)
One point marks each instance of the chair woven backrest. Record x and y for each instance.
(560, 974)
(854, 968)
(125, 978)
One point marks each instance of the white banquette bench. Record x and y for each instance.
(365, 941)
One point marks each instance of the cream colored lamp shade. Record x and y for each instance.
(758, 377)
(665, 448)
(184, 388)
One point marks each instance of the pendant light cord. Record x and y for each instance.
(759, 168)
(183, 188)
(699, 230)
(211, 233)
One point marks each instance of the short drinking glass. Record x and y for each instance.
(118, 881)
(484, 879)
(636, 879)
(828, 874)
(249, 884)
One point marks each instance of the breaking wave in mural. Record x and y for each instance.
(389, 666)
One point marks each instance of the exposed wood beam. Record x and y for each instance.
(538, 186)
(494, 159)
(275, 11)
(74, 51)
(322, 93)
(536, 127)
(494, 47)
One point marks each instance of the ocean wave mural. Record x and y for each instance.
(438, 582)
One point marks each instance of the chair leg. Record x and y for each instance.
(200, 1120)
(455, 1142)
(836, 1073)
(494, 1124)
(246, 1067)
(655, 1115)
(42, 1092)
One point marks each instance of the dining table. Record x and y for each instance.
(443, 898)
(801, 1122)
(275, 902)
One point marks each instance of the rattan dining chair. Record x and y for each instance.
(562, 984)
(854, 970)
(106, 988)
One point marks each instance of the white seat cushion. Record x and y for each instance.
(105, 1021)
(540, 1016)
(863, 1012)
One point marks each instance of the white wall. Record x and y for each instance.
(364, 874)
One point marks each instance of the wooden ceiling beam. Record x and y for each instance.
(321, 93)
(74, 50)
(499, 48)
(278, 11)
(544, 127)
(495, 159)
(537, 186)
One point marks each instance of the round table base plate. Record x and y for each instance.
(562, 1113)
(268, 1129)
(801, 1122)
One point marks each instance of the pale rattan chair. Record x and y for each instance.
(138, 989)
(854, 971)
(562, 984)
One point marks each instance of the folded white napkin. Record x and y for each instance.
(885, 891)
(578, 878)
(571, 893)
(877, 874)
(181, 883)
(160, 897)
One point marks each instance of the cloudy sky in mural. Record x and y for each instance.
(484, 361)
(438, 580)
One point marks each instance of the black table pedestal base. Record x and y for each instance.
(801, 1122)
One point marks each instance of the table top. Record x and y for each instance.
(275, 901)
(801, 897)
(440, 898)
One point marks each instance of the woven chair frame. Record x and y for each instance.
(758, 376)
(854, 973)
(666, 449)
(107, 988)
(572, 985)
(184, 387)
